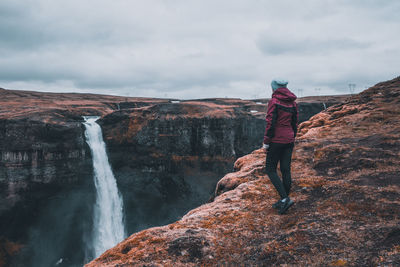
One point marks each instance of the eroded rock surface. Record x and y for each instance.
(346, 187)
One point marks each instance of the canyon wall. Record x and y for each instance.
(167, 156)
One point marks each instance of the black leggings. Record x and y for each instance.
(280, 153)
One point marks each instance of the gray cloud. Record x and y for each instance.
(191, 49)
(275, 45)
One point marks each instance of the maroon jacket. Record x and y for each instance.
(282, 117)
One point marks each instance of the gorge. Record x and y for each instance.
(166, 156)
(346, 187)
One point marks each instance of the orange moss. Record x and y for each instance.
(220, 219)
(156, 240)
(339, 262)
(136, 124)
(312, 182)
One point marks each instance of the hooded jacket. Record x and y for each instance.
(282, 117)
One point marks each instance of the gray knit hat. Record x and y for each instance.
(278, 83)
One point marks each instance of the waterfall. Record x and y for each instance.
(108, 225)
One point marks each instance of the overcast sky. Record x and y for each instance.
(197, 48)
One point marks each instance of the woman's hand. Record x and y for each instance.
(265, 146)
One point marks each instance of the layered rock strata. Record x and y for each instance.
(347, 200)
(43, 149)
(167, 156)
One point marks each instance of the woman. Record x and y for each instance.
(280, 132)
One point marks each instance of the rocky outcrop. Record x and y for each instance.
(346, 189)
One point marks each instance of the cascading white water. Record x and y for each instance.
(108, 228)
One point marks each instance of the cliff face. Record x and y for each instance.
(46, 181)
(42, 150)
(41, 164)
(346, 192)
(166, 155)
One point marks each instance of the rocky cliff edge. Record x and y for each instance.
(346, 187)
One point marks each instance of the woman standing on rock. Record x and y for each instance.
(280, 132)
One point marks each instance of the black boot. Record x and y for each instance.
(277, 204)
(286, 204)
